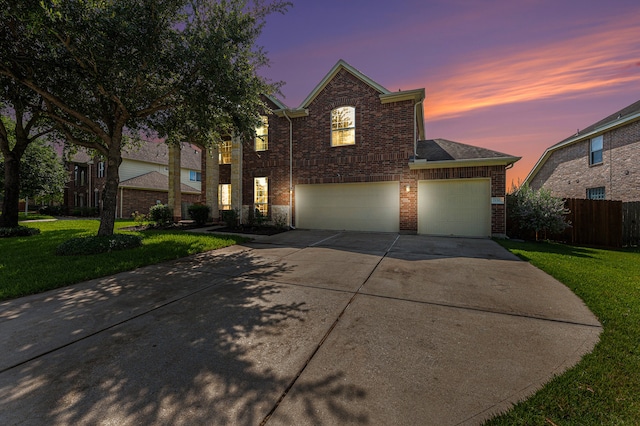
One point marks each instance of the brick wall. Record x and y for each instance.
(567, 172)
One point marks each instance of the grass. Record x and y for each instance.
(604, 388)
(28, 265)
(33, 216)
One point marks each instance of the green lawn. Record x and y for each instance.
(28, 264)
(604, 388)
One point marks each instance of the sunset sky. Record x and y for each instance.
(513, 76)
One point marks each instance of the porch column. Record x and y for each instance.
(212, 177)
(236, 175)
(175, 195)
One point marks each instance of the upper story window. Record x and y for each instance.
(195, 176)
(343, 126)
(101, 169)
(595, 193)
(262, 134)
(595, 150)
(224, 152)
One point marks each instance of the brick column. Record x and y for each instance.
(175, 195)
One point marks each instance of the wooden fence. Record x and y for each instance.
(631, 223)
(594, 222)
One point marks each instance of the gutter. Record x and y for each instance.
(496, 161)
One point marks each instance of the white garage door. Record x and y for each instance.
(349, 206)
(455, 207)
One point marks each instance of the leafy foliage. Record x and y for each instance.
(199, 213)
(42, 173)
(161, 214)
(98, 244)
(231, 218)
(18, 231)
(184, 70)
(536, 211)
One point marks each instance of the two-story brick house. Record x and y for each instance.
(352, 156)
(598, 162)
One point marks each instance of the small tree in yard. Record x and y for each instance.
(537, 211)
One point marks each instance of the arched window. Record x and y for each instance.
(343, 126)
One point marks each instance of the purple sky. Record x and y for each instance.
(513, 76)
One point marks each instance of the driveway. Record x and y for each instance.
(304, 327)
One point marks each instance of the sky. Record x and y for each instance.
(515, 76)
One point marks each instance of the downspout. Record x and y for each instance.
(284, 112)
(121, 200)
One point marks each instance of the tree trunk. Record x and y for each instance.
(10, 210)
(110, 193)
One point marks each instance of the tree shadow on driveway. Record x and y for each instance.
(179, 343)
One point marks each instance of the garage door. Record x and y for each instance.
(455, 207)
(349, 206)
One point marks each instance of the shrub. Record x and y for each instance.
(280, 221)
(161, 214)
(18, 231)
(199, 213)
(50, 210)
(85, 211)
(98, 244)
(138, 217)
(537, 211)
(230, 218)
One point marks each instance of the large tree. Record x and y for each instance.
(21, 123)
(108, 68)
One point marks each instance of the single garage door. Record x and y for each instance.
(349, 206)
(455, 207)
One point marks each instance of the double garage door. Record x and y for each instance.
(445, 207)
(349, 206)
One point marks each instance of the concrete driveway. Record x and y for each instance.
(304, 327)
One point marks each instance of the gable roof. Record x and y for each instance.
(154, 181)
(152, 152)
(619, 118)
(441, 153)
(386, 96)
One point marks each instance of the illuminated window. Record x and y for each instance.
(224, 196)
(261, 194)
(343, 126)
(262, 134)
(595, 193)
(224, 155)
(595, 150)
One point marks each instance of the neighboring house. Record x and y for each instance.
(144, 178)
(601, 161)
(352, 156)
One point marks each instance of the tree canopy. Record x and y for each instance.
(184, 69)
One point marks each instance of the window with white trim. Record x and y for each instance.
(343, 126)
(224, 152)
(596, 193)
(595, 150)
(195, 176)
(101, 169)
(261, 194)
(224, 196)
(262, 134)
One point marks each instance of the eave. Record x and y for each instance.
(471, 162)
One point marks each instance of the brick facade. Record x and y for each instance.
(567, 173)
(385, 136)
